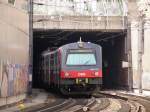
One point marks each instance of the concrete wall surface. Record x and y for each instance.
(80, 14)
(134, 48)
(110, 23)
(81, 7)
(146, 56)
(14, 47)
(140, 42)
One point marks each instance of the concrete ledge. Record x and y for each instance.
(11, 100)
(80, 23)
(144, 93)
(135, 92)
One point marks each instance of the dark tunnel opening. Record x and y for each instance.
(113, 52)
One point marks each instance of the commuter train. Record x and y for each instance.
(73, 68)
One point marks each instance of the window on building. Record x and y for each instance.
(11, 2)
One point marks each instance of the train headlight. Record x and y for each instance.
(96, 73)
(66, 74)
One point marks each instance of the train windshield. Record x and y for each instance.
(81, 59)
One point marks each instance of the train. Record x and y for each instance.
(73, 68)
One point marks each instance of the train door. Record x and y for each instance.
(46, 75)
(49, 73)
(51, 68)
(57, 68)
(44, 70)
(54, 70)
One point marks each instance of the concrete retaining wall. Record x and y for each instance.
(146, 56)
(135, 33)
(14, 49)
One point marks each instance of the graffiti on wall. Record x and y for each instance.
(13, 79)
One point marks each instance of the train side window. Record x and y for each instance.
(55, 62)
(47, 61)
(57, 65)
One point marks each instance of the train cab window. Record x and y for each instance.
(81, 59)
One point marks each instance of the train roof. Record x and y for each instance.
(76, 43)
(70, 45)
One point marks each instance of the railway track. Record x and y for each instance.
(126, 103)
(61, 106)
(99, 102)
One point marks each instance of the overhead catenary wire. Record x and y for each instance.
(51, 35)
(61, 38)
(111, 37)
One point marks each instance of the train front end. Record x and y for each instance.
(81, 70)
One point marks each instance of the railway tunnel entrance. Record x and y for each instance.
(113, 49)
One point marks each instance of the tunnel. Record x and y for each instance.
(114, 52)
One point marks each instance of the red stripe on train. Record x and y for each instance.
(81, 74)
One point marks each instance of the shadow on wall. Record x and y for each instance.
(13, 79)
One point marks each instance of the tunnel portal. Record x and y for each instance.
(113, 48)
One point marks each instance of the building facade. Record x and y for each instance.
(140, 31)
(80, 7)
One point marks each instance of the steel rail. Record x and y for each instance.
(56, 106)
